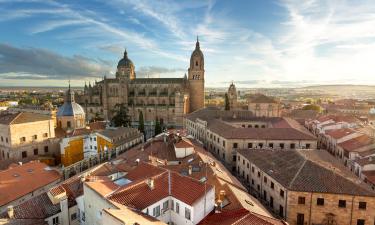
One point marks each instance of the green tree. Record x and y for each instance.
(121, 117)
(141, 126)
(157, 127)
(226, 103)
(312, 107)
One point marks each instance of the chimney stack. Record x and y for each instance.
(11, 212)
(150, 183)
(190, 169)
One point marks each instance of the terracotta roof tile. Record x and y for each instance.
(28, 177)
(356, 143)
(340, 133)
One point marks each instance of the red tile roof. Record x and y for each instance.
(183, 144)
(356, 143)
(370, 176)
(27, 177)
(339, 133)
(238, 217)
(139, 195)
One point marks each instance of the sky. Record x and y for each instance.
(254, 43)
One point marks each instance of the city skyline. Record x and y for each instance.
(256, 44)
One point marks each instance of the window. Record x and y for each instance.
(45, 149)
(73, 216)
(271, 202)
(265, 179)
(281, 211)
(68, 124)
(172, 205)
(55, 220)
(360, 222)
(22, 139)
(223, 143)
(342, 204)
(36, 151)
(282, 145)
(281, 193)
(260, 145)
(235, 145)
(252, 169)
(362, 205)
(270, 145)
(234, 158)
(6, 140)
(300, 219)
(35, 137)
(292, 146)
(24, 154)
(301, 200)
(165, 205)
(156, 211)
(307, 145)
(258, 174)
(177, 208)
(2, 139)
(45, 135)
(272, 185)
(248, 165)
(187, 213)
(249, 145)
(320, 201)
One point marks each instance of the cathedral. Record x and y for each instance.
(165, 99)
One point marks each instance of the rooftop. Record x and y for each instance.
(356, 143)
(307, 171)
(22, 117)
(27, 177)
(340, 133)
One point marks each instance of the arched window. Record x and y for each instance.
(196, 63)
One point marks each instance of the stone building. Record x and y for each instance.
(166, 99)
(25, 136)
(264, 106)
(223, 132)
(306, 187)
(70, 115)
(232, 96)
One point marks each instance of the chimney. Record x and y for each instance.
(20, 163)
(222, 195)
(190, 169)
(150, 183)
(10, 212)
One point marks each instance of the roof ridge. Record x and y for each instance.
(299, 170)
(136, 183)
(19, 113)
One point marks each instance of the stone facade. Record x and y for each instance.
(167, 99)
(27, 135)
(349, 203)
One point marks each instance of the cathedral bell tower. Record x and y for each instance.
(196, 79)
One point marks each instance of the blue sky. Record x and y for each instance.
(267, 43)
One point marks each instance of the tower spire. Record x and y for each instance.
(197, 43)
(125, 54)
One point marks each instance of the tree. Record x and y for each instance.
(312, 107)
(226, 103)
(157, 127)
(121, 117)
(141, 126)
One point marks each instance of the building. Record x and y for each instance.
(264, 106)
(25, 135)
(27, 181)
(70, 115)
(306, 187)
(232, 96)
(163, 194)
(223, 132)
(85, 143)
(165, 99)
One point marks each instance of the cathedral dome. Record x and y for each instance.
(197, 51)
(70, 107)
(125, 61)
